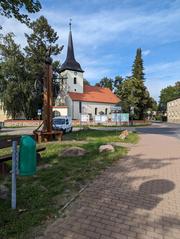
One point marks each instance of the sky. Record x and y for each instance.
(106, 34)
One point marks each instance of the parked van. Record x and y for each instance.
(63, 123)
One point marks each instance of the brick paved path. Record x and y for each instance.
(137, 198)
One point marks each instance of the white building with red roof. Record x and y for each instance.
(80, 98)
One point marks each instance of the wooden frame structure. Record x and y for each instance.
(47, 134)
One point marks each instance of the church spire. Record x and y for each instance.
(70, 24)
(70, 62)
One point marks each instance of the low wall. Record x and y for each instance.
(110, 123)
(36, 123)
(22, 123)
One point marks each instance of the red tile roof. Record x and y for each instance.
(95, 94)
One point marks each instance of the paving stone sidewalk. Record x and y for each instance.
(137, 198)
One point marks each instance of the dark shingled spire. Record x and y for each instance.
(70, 62)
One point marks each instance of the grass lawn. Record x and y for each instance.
(40, 197)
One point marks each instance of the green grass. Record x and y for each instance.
(40, 197)
(100, 136)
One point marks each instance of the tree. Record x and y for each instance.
(42, 37)
(137, 68)
(106, 83)
(13, 76)
(168, 94)
(15, 8)
(20, 71)
(86, 82)
(133, 93)
(117, 84)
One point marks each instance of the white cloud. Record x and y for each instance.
(12, 25)
(125, 26)
(162, 75)
(146, 52)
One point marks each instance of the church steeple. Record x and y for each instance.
(70, 62)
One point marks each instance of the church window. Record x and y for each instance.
(106, 111)
(80, 107)
(75, 80)
(95, 111)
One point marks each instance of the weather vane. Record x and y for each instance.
(70, 24)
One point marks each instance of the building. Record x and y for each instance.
(173, 111)
(3, 115)
(76, 98)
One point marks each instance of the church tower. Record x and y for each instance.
(71, 70)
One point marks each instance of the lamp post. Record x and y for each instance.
(132, 114)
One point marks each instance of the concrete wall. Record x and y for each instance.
(3, 115)
(21, 123)
(78, 87)
(89, 108)
(173, 111)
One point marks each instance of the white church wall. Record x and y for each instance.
(71, 75)
(89, 108)
(76, 113)
(69, 104)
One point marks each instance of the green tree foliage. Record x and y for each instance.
(106, 83)
(117, 85)
(168, 94)
(15, 8)
(13, 76)
(137, 68)
(135, 94)
(20, 71)
(86, 82)
(42, 37)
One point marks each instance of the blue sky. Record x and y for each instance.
(106, 34)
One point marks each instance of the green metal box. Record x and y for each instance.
(27, 156)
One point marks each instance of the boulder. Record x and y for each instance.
(106, 148)
(4, 191)
(73, 152)
(124, 134)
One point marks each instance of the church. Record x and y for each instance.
(76, 98)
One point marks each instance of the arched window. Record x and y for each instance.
(106, 111)
(75, 80)
(95, 111)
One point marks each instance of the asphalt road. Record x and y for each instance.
(155, 128)
(162, 129)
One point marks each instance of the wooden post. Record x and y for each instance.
(47, 117)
